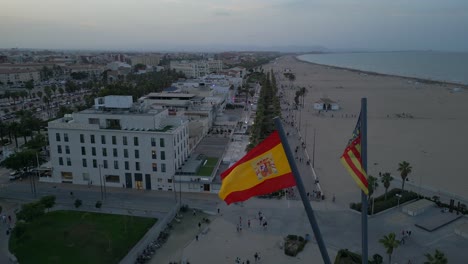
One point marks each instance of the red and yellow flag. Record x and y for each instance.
(263, 170)
(352, 161)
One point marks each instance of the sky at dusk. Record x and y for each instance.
(231, 24)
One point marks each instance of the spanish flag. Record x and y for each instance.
(263, 170)
(351, 159)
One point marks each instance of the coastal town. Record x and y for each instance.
(149, 135)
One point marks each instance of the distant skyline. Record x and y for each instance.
(216, 25)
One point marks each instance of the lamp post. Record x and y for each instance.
(100, 178)
(313, 152)
(398, 196)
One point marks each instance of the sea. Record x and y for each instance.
(429, 65)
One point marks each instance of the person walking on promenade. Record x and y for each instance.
(248, 223)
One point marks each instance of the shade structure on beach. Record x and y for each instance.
(352, 161)
(263, 170)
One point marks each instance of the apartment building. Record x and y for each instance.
(152, 60)
(197, 69)
(120, 144)
(19, 75)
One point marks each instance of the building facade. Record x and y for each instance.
(19, 75)
(197, 69)
(118, 144)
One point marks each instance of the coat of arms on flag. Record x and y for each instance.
(265, 166)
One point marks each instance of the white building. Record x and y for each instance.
(119, 143)
(326, 104)
(196, 69)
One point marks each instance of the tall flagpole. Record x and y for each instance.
(364, 166)
(302, 192)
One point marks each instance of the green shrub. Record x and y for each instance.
(380, 204)
(30, 211)
(78, 203)
(293, 245)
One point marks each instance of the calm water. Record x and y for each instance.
(440, 66)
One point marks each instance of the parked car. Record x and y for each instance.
(14, 175)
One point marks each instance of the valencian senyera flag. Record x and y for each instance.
(263, 170)
(352, 160)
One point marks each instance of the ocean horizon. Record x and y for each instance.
(429, 65)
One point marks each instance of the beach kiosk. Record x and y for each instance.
(326, 104)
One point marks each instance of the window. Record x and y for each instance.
(59, 149)
(93, 151)
(116, 164)
(155, 167)
(65, 137)
(113, 178)
(114, 151)
(57, 137)
(137, 166)
(153, 154)
(125, 153)
(104, 152)
(160, 179)
(83, 151)
(153, 142)
(93, 121)
(114, 140)
(67, 149)
(85, 176)
(68, 162)
(137, 154)
(61, 161)
(169, 180)
(135, 141)
(84, 163)
(127, 165)
(94, 163)
(105, 164)
(93, 140)
(82, 138)
(161, 142)
(163, 155)
(124, 139)
(163, 167)
(103, 139)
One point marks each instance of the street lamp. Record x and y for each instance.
(398, 196)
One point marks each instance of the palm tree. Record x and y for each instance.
(404, 168)
(438, 258)
(371, 185)
(386, 180)
(390, 243)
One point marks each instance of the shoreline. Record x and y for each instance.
(420, 80)
(436, 110)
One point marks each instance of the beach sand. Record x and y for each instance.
(433, 141)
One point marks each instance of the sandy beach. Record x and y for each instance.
(432, 139)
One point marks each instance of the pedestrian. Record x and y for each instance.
(409, 233)
(237, 228)
(248, 223)
(199, 225)
(240, 220)
(196, 237)
(218, 210)
(194, 212)
(9, 219)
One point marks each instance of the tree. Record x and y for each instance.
(438, 258)
(30, 211)
(390, 243)
(405, 169)
(78, 203)
(29, 85)
(39, 94)
(48, 201)
(22, 160)
(61, 91)
(372, 185)
(386, 180)
(13, 128)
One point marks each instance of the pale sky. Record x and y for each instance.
(167, 24)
